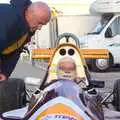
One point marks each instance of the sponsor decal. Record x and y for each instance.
(58, 117)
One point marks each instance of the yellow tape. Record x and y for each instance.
(15, 45)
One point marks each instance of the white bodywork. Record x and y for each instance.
(99, 40)
(19, 113)
(106, 6)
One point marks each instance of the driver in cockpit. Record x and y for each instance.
(66, 69)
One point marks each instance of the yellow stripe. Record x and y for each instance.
(15, 45)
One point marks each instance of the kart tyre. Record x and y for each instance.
(116, 95)
(12, 94)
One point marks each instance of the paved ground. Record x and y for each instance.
(24, 70)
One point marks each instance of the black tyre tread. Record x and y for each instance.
(12, 94)
(116, 95)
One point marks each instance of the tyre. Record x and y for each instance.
(116, 95)
(101, 65)
(12, 94)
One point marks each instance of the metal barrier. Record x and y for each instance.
(46, 53)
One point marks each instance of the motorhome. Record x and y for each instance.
(106, 34)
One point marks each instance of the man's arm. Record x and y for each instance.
(20, 6)
(3, 36)
(2, 76)
(20, 3)
(9, 62)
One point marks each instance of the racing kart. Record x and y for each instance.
(62, 98)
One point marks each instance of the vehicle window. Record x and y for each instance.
(114, 28)
(105, 18)
(99, 27)
(108, 33)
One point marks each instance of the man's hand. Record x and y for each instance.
(2, 77)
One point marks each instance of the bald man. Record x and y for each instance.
(66, 69)
(18, 22)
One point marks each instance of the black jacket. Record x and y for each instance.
(13, 28)
(12, 22)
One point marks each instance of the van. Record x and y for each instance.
(105, 35)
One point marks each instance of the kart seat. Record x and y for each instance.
(70, 51)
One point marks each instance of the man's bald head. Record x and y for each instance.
(37, 14)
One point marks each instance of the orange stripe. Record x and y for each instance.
(60, 109)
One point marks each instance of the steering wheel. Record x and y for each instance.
(67, 36)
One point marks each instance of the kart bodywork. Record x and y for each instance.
(63, 98)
